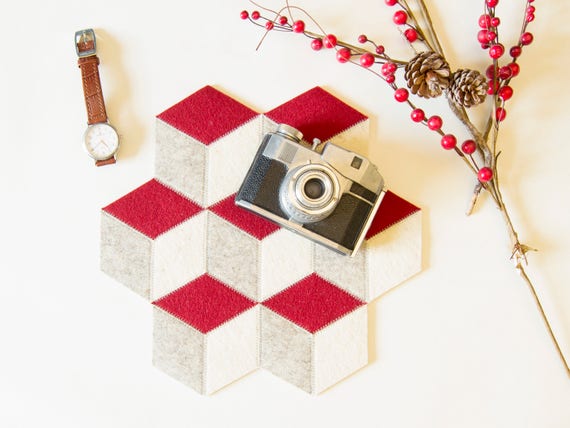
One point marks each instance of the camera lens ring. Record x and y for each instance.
(300, 206)
(320, 177)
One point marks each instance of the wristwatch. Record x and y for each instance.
(100, 138)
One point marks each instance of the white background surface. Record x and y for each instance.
(459, 345)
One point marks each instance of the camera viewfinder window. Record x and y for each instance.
(356, 162)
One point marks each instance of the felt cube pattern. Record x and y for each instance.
(204, 145)
(253, 255)
(224, 281)
(206, 334)
(313, 334)
(152, 240)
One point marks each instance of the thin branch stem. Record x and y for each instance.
(461, 114)
(415, 23)
(492, 160)
(519, 255)
(474, 197)
(528, 282)
(430, 28)
(488, 127)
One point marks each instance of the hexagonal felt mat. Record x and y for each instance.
(231, 291)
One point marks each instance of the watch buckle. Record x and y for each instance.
(85, 43)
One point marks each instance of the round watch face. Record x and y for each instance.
(101, 141)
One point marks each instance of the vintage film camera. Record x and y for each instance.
(329, 197)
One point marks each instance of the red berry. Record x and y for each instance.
(490, 72)
(484, 21)
(411, 35)
(515, 51)
(500, 114)
(515, 68)
(255, 15)
(530, 17)
(390, 78)
(505, 93)
(400, 17)
(495, 22)
(343, 55)
(491, 35)
(329, 41)
(482, 36)
(485, 174)
(530, 9)
(379, 49)
(269, 25)
(468, 147)
(317, 44)
(434, 123)
(391, 2)
(366, 59)
(448, 141)
(282, 20)
(417, 115)
(388, 68)
(298, 26)
(492, 3)
(401, 95)
(496, 51)
(362, 38)
(244, 14)
(505, 72)
(526, 38)
(493, 87)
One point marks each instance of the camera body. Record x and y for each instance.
(330, 197)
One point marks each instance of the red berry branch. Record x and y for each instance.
(428, 75)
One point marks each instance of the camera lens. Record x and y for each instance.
(314, 188)
(310, 193)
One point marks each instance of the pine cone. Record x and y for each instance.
(427, 74)
(468, 88)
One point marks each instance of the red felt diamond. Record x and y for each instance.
(313, 303)
(255, 225)
(205, 303)
(153, 209)
(317, 114)
(207, 115)
(392, 210)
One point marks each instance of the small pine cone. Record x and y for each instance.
(468, 88)
(427, 74)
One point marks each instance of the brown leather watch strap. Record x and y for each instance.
(94, 101)
(106, 161)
